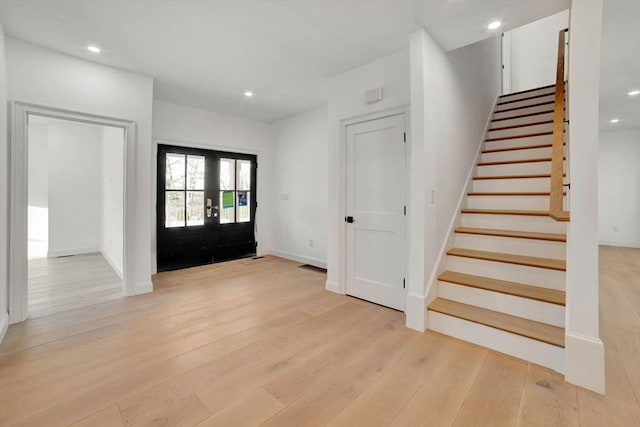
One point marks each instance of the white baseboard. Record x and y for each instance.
(416, 312)
(69, 252)
(4, 325)
(143, 288)
(332, 287)
(620, 244)
(299, 258)
(584, 362)
(113, 265)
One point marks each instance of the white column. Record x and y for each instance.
(584, 352)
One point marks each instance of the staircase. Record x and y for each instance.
(504, 283)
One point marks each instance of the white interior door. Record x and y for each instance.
(375, 163)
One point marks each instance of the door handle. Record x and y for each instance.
(349, 219)
(209, 202)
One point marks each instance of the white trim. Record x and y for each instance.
(431, 291)
(143, 288)
(298, 258)
(18, 113)
(112, 264)
(4, 325)
(261, 178)
(620, 244)
(584, 361)
(71, 252)
(416, 312)
(342, 181)
(333, 287)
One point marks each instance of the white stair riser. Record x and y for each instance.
(523, 203)
(511, 185)
(524, 103)
(518, 142)
(543, 91)
(543, 277)
(547, 127)
(538, 311)
(540, 224)
(532, 168)
(522, 111)
(524, 154)
(543, 354)
(511, 245)
(522, 120)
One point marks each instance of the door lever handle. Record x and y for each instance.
(349, 219)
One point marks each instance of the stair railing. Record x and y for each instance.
(556, 200)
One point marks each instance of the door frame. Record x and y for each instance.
(260, 177)
(342, 250)
(18, 195)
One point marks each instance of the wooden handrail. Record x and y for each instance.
(556, 208)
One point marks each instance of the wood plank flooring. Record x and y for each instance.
(65, 283)
(260, 342)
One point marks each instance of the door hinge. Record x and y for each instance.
(404, 283)
(405, 137)
(405, 211)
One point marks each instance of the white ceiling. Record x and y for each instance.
(620, 64)
(205, 54)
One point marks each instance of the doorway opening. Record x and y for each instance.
(206, 206)
(75, 225)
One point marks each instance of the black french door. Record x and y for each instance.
(206, 206)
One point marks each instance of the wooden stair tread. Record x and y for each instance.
(526, 147)
(529, 261)
(529, 90)
(552, 237)
(523, 135)
(506, 212)
(537, 293)
(528, 98)
(546, 122)
(562, 216)
(510, 193)
(536, 175)
(540, 104)
(520, 116)
(516, 325)
(510, 162)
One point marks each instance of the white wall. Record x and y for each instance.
(43, 76)
(112, 206)
(75, 187)
(346, 100)
(453, 94)
(179, 125)
(619, 188)
(4, 195)
(531, 52)
(300, 187)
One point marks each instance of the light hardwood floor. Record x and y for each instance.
(260, 342)
(66, 283)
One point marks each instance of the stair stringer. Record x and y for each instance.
(431, 289)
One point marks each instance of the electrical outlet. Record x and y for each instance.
(311, 243)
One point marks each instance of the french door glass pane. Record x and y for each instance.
(195, 208)
(227, 207)
(244, 175)
(227, 174)
(174, 172)
(174, 209)
(195, 172)
(244, 206)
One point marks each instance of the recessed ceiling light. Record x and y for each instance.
(248, 94)
(634, 92)
(494, 25)
(94, 49)
(614, 120)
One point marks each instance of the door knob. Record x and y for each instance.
(349, 219)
